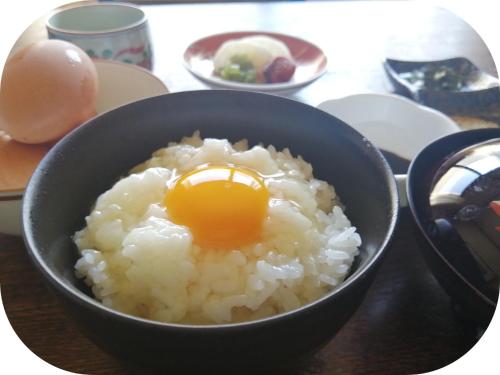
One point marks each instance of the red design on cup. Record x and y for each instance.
(131, 50)
(145, 64)
(495, 206)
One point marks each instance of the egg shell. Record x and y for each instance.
(47, 89)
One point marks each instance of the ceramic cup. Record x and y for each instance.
(108, 31)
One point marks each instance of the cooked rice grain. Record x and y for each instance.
(137, 261)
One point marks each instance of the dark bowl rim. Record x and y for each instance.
(86, 301)
(417, 216)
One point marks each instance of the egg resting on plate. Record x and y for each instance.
(48, 88)
(209, 232)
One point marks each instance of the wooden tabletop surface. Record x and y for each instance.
(406, 324)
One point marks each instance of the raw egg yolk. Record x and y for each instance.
(224, 206)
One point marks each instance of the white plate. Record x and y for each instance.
(391, 122)
(119, 84)
(310, 61)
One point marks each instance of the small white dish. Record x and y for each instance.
(310, 60)
(391, 122)
(119, 84)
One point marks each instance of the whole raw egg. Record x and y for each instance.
(47, 89)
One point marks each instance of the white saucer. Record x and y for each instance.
(121, 83)
(391, 122)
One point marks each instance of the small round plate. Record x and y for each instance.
(310, 61)
(119, 84)
(391, 122)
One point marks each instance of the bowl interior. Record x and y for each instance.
(90, 159)
(96, 18)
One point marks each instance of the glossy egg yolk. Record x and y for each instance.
(223, 206)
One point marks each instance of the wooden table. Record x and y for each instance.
(407, 323)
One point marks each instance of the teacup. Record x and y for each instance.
(108, 31)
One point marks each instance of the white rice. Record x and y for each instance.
(139, 262)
